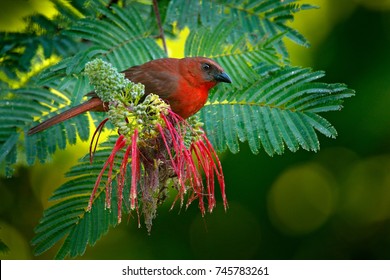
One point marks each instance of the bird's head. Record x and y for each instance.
(204, 71)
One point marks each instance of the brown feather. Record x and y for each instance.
(159, 76)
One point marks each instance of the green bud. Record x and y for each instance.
(106, 79)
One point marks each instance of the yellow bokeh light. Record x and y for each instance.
(12, 13)
(367, 192)
(176, 46)
(302, 199)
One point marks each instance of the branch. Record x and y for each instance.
(161, 35)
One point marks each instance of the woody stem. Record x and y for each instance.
(161, 35)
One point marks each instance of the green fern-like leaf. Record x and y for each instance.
(122, 38)
(69, 217)
(260, 19)
(41, 40)
(274, 110)
(21, 110)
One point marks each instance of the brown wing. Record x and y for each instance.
(159, 76)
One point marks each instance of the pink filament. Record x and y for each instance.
(184, 165)
(181, 158)
(121, 181)
(119, 144)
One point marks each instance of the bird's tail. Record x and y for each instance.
(93, 104)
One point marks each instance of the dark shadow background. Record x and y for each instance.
(334, 204)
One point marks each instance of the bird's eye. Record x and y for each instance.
(206, 66)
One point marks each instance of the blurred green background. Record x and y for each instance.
(334, 204)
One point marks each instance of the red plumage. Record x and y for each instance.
(183, 83)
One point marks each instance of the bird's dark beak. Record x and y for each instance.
(222, 77)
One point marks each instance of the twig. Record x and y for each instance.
(161, 35)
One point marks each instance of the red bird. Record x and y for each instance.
(183, 83)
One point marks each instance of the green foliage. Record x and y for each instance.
(260, 19)
(41, 39)
(270, 104)
(275, 109)
(69, 217)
